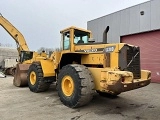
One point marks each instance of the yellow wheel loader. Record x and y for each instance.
(25, 55)
(84, 66)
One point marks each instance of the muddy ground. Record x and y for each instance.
(21, 104)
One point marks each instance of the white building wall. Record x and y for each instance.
(7, 53)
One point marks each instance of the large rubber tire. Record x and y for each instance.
(35, 79)
(75, 85)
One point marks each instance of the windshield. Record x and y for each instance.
(81, 36)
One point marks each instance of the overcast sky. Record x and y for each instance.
(41, 20)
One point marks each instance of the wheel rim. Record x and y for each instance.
(33, 78)
(67, 85)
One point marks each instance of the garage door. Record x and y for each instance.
(150, 51)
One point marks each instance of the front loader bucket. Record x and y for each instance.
(20, 77)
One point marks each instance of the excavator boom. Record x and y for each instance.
(15, 34)
(20, 72)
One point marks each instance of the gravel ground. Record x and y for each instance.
(21, 104)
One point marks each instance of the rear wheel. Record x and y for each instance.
(75, 85)
(35, 79)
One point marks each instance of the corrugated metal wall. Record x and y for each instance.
(127, 21)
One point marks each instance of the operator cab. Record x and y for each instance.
(25, 55)
(74, 36)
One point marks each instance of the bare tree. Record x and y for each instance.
(48, 50)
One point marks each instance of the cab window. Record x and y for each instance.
(26, 55)
(66, 41)
(81, 37)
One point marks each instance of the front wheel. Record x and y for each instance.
(35, 79)
(75, 85)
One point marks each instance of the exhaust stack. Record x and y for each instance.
(105, 34)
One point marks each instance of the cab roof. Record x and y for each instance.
(74, 27)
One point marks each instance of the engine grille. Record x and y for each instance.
(134, 66)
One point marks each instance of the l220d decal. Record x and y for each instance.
(106, 50)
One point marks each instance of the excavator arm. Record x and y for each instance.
(25, 55)
(16, 35)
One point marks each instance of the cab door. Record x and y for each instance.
(66, 42)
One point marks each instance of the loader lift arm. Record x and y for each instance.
(15, 34)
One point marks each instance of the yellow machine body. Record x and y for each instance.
(80, 68)
(105, 62)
